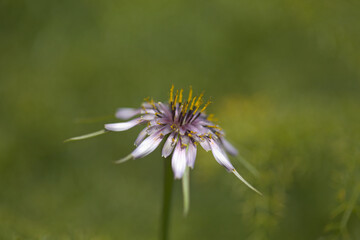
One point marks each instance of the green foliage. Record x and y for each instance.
(284, 79)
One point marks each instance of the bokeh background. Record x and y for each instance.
(284, 79)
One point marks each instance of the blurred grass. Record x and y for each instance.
(284, 77)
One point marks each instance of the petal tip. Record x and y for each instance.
(245, 182)
(125, 159)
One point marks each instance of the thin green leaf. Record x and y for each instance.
(245, 182)
(186, 190)
(90, 135)
(248, 166)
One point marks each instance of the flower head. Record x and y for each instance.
(184, 126)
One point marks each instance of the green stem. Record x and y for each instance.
(166, 206)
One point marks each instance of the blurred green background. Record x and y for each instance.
(284, 79)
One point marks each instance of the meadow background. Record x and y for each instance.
(284, 79)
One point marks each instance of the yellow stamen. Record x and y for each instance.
(192, 104)
(181, 95)
(176, 97)
(152, 103)
(198, 102)
(185, 108)
(197, 108)
(190, 95)
(207, 104)
(211, 118)
(213, 126)
(171, 93)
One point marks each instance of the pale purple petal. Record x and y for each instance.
(163, 121)
(169, 145)
(117, 127)
(148, 111)
(166, 130)
(205, 144)
(148, 145)
(191, 155)
(198, 129)
(147, 105)
(220, 155)
(159, 121)
(153, 129)
(229, 147)
(141, 136)
(178, 161)
(177, 113)
(165, 110)
(126, 113)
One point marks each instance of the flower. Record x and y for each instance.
(184, 125)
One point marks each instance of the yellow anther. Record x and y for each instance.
(181, 95)
(171, 93)
(211, 117)
(207, 104)
(192, 104)
(185, 108)
(190, 95)
(198, 102)
(176, 97)
(214, 126)
(197, 108)
(152, 103)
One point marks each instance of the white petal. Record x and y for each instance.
(148, 145)
(126, 113)
(118, 127)
(141, 136)
(229, 147)
(191, 155)
(220, 155)
(205, 144)
(178, 161)
(169, 145)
